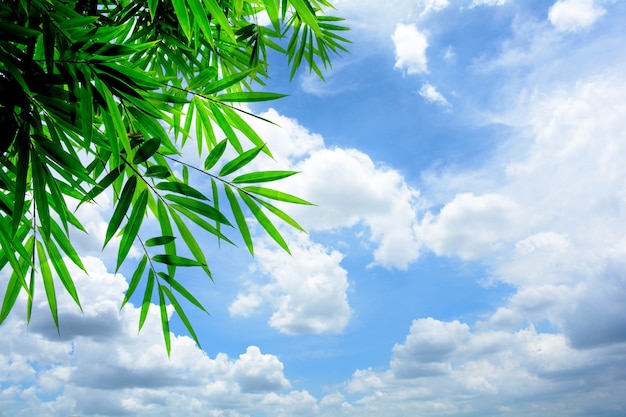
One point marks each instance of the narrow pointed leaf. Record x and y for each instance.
(132, 286)
(121, 208)
(159, 240)
(165, 321)
(215, 155)
(181, 313)
(276, 195)
(48, 283)
(147, 297)
(132, 227)
(199, 207)
(240, 161)
(240, 219)
(262, 176)
(146, 150)
(180, 188)
(175, 260)
(264, 221)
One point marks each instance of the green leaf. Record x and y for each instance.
(200, 222)
(104, 184)
(180, 8)
(165, 323)
(249, 96)
(158, 171)
(264, 221)
(40, 195)
(59, 266)
(240, 219)
(262, 176)
(181, 313)
(132, 227)
(179, 288)
(146, 150)
(280, 214)
(175, 260)
(147, 297)
(48, 283)
(275, 195)
(65, 245)
(240, 161)
(191, 242)
(199, 207)
(215, 155)
(132, 286)
(180, 188)
(123, 204)
(227, 82)
(159, 240)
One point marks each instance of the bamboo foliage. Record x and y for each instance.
(102, 95)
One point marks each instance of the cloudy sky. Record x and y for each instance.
(467, 255)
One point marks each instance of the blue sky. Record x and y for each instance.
(466, 257)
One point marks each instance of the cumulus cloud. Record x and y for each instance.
(487, 3)
(410, 45)
(307, 289)
(107, 369)
(348, 189)
(470, 226)
(574, 15)
(443, 365)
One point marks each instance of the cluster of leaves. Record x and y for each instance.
(101, 95)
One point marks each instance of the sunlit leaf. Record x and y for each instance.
(275, 195)
(240, 161)
(262, 176)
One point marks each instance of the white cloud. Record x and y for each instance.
(411, 45)
(308, 289)
(430, 94)
(108, 369)
(348, 189)
(470, 226)
(574, 15)
(443, 367)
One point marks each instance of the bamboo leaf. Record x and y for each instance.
(175, 260)
(158, 171)
(199, 207)
(262, 176)
(48, 283)
(61, 269)
(240, 161)
(181, 313)
(215, 155)
(159, 240)
(146, 150)
(275, 195)
(147, 297)
(132, 286)
(132, 227)
(180, 188)
(240, 219)
(191, 242)
(264, 221)
(249, 96)
(121, 208)
(165, 322)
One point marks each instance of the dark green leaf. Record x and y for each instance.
(180, 188)
(175, 260)
(132, 227)
(165, 324)
(158, 171)
(159, 240)
(249, 96)
(146, 150)
(123, 204)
